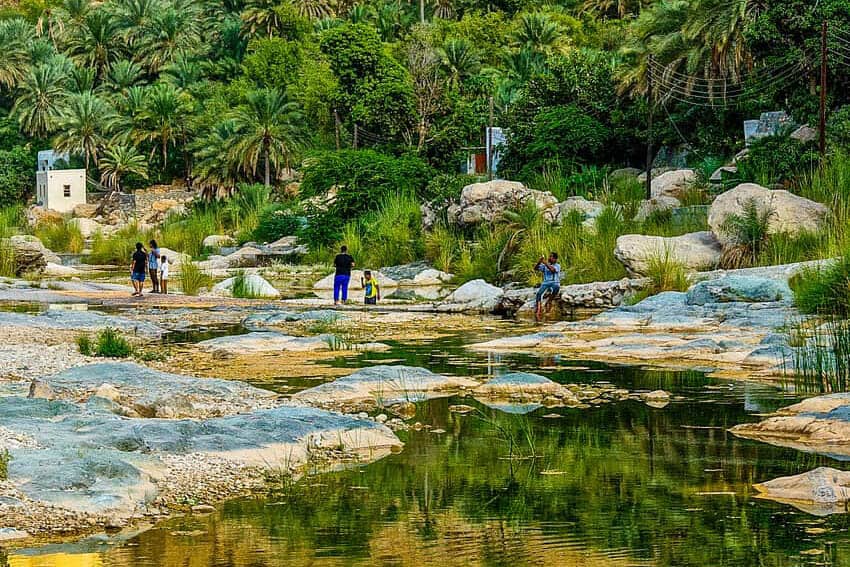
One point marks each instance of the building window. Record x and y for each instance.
(66, 190)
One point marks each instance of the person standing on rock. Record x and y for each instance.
(343, 264)
(551, 285)
(137, 269)
(153, 266)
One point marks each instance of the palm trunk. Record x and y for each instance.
(267, 174)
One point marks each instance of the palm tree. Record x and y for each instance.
(96, 41)
(171, 31)
(81, 79)
(135, 16)
(162, 118)
(16, 36)
(84, 126)
(214, 167)
(617, 8)
(538, 32)
(124, 74)
(183, 72)
(269, 128)
(261, 17)
(118, 161)
(40, 100)
(314, 9)
(459, 60)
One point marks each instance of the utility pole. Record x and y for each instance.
(336, 128)
(822, 139)
(490, 143)
(356, 135)
(651, 108)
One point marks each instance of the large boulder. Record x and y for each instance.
(327, 282)
(85, 211)
(523, 385)
(746, 289)
(175, 259)
(417, 274)
(38, 214)
(217, 241)
(257, 286)
(475, 295)
(660, 204)
(673, 183)
(820, 491)
(31, 256)
(88, 226)
(485, 202)
(791, 214)
(696, 251)
(588, 210)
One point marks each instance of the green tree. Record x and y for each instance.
(84, 127)
(17, 175)
(268, 129)
(162, 117)
(171, 31)
(95, 42)
(460, 60)
(40, 100)
(118, 161)
(538, 32)
(124, 74)
(15, 37)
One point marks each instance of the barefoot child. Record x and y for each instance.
(371, 288)
(163, 274)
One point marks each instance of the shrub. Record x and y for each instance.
(109, 343)
(192, 279)
(60, 236)
(777, 159)
(186, 233)
(274, 223)
(824, 290)
(442, 246)
(8, 262)
(445, 187)
(748, 233)
(85, 346)
(17, 174)
(11, 219)
(665, 273)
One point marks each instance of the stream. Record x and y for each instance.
(617, 484)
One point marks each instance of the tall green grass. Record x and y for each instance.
(192, 279)
(822, 362)
(11, 220)
(824, 290)
(60, 236)
(118, 247)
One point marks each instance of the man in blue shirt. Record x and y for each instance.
(551, 280)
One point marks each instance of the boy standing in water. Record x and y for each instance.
(343, 264)
(371, 288)
(551, 280)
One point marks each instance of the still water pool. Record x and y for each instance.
(619, 484)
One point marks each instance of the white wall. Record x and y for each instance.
(61, 189)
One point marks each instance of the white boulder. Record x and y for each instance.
(672, 183)
(697, 251)
(475, 295)
(485, 202)
(258, 287)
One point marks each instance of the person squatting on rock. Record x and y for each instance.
(343, 264)
(137, 269)
(551, 285)
(371, 289)
(153, 265)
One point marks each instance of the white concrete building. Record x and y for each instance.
(58, 189)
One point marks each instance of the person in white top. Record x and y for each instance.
(163, 274)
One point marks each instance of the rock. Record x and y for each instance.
(384, 384)
(256, 285)
(39, 389)
(721, 172)
(624, 172)
(587, 209)
(660, 204)
(475, 295)
(747, 289)
(263, 320)
(416, 274)
(656, 398)
(66, 319)
(485, 202)
(791, 214)
(88, 226)
(696, 251)
(266, 341)
(820, 492)
(37, 215)
(217, 241)
(108, 392)
(59, 271)
(11, 534)
(30, 254)
(356, 275)
(404, 410)
(175, 259)
(804, 134)
(203, 509)
(85, 211)
(673, 183)
(525, 385)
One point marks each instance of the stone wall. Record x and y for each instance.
(146, 198)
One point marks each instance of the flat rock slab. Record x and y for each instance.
(820, 424)
(150, 393)
(94, 461)
(821, 491)
(62, 319)
(279, 318)
(382, 384)
(521, 383)
(261, 342)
